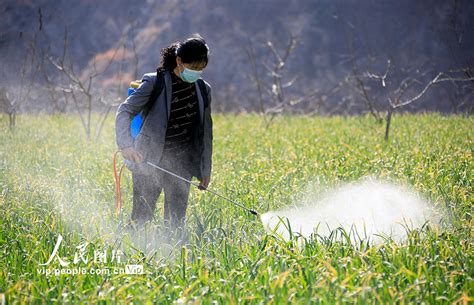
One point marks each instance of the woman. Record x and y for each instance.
(176, 133)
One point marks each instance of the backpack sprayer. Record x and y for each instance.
(135, 127)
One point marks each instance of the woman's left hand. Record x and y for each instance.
(204, 183)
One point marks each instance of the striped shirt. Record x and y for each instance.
(184, 115)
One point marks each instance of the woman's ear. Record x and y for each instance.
(178, 60)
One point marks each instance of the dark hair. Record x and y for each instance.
(191, 50)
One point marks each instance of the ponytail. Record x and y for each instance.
(168, 57)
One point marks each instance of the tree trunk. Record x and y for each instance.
(389, 120)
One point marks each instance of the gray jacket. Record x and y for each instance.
(150, 141)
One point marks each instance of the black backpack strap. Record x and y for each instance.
(204, 93)
(155, 92)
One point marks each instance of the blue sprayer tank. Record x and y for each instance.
(137, 120)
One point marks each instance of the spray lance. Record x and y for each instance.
(206, 189)
(118, 194)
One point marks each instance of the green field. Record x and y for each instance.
(54, 182)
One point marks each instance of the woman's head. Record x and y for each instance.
(191, 53)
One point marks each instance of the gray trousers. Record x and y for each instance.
(147, 189)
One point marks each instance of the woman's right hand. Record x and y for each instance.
(131, 154)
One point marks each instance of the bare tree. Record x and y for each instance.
(395, 93)
(255, 77)
(80, 87)
(398, 101)
(77, 86)
(396, 97)
(275, 71)
(271, 87)
(385, 92)
(359, 81)
(7, 107)
(40, 50)
(10, 102)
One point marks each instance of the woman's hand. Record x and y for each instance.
(131, 154)
(204, 183)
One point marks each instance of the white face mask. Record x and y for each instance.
(189, 75)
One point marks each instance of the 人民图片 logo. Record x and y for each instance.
(103, 262)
